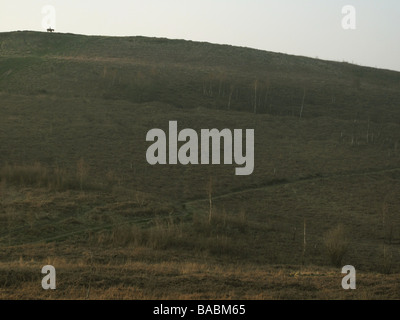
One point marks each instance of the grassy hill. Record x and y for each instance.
(77, 192)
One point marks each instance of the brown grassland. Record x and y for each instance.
(76, 191)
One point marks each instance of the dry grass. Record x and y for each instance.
(39, 176)
(135, 279)
(229, 256)
(76, 190)
(336, 244)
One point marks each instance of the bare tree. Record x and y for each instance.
(302, 102)
(231, 89)
(255, 95)
(210, 199)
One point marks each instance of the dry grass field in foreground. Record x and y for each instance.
(136, 274)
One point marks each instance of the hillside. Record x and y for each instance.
(189, 75)
(76, 189)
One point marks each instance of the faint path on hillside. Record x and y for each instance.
(122, 61)
(190, 207)
(272, 183)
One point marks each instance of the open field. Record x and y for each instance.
(77, 192)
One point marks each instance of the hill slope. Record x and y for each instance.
(76, 189)
(190, 74)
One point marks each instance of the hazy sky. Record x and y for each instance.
(302, 27)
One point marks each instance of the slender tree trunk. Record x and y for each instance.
(304, 242)
(230, 97)
(302, 103)
(210, 200)
(255, 96)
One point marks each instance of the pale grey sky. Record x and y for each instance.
(302, 27)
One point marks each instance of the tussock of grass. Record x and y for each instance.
(336, 244)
